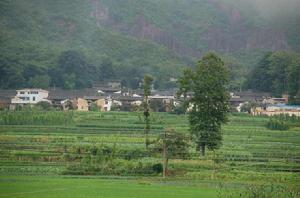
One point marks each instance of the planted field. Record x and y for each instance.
(58, 187)
(112, 144)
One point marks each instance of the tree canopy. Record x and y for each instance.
(277, 73)
(209, 101)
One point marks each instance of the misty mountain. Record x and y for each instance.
(154, 37)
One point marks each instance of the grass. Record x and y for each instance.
(17, 187)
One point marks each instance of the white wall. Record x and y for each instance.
(30, 96)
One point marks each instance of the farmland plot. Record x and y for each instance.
(112, 144)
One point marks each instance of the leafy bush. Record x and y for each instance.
(158, 168)
(115, 167)
(275, 124)
(290, 120)
(44, 105)
(130, 154)
(94, 107)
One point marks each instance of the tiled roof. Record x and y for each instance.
(32, 89)
(59, 94)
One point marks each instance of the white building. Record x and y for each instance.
(30, 96)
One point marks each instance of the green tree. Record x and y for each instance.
(107, 69)
(237, 73)
(11, 73)
(69, 81)
(277, 73)
(209, 101)
(176, 146)
(44, 105)
(259, 78)
(40, 81)
(278, 67)
(147, 91)
(73, 71)
(293, 82)
(184, 83)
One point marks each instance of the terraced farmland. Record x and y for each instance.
(112, 145)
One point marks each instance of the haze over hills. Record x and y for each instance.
(135, 37)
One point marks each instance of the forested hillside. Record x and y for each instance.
(277, 73)
(74, 43)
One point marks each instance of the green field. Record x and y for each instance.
(97, 154)
(75, 187)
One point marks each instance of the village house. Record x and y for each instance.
(68, 99)
(238, 99)
(65, 105)
(104, 104)
(108, 88)
(277, 110)
(29, 97)
(81, 104)
(127, 103)
(167, 102)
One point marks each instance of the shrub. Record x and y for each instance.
(181, 109)
(44, 105)
(115, 107)
(158, 168)
(94, 107)
(276, 124)
(130, 154)
(114, 167)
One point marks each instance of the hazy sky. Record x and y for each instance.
(278, 8)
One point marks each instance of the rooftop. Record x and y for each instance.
(32, 89)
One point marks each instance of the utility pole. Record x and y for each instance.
(165, 155)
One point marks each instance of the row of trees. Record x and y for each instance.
(72, 70)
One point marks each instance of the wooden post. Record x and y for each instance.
(165, 156)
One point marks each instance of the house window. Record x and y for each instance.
(24, 98)
(33, 98)
(22, 92)
(34, 92)
(106, 102)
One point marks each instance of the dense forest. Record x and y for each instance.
(277, 73)
(73, 43)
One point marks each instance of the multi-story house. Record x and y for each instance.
(30, 96)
